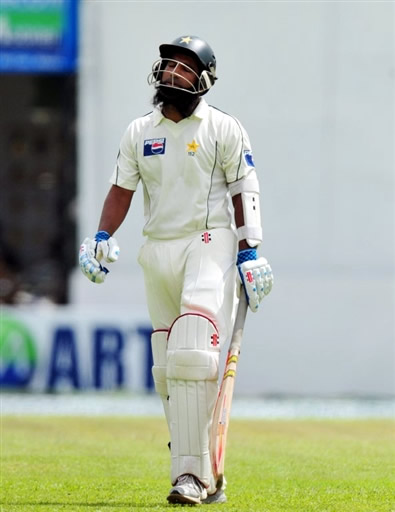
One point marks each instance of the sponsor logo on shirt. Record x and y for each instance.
(154, 147)
(248, 158)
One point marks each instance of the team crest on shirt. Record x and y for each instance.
(154, 147)
(248, 158)
(192, 147)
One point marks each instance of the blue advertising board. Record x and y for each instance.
(38, 36)
(59, 349)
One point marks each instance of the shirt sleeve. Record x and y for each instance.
(237, 159)
(126, 172)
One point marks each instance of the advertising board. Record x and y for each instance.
(63, 348)
(39, 36)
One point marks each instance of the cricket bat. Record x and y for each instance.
(221, 416)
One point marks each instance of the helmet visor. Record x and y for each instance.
(174, 74)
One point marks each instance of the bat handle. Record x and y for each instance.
(239, 323)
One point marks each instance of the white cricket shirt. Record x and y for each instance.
(184, 168)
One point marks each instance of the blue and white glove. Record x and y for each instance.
(103, 246)
(256, 276)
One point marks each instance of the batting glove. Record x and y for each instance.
(256, 276)
(93, 251)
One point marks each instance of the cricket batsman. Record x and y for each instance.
(202, 228)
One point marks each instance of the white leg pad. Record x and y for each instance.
(192, 375)
(159, 356)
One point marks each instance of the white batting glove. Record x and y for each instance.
(107, 247)
(256, 276)
(93, 251)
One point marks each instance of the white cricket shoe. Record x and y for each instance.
(188, 489)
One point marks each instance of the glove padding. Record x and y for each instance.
(256, 277)
(103, 246)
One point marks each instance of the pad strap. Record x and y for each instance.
(253, 235)
(248, 184)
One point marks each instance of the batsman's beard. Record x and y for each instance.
(185, 102)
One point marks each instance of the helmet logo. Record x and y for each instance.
(186, 40)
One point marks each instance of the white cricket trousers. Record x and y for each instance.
(190, 287)
(196, 274)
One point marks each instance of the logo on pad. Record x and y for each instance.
(214, 340)
(154, 147)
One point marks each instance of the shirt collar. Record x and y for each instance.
(158, 116)
(200, 112)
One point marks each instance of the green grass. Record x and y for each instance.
(122, 464)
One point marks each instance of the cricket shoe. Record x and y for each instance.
(189, 490)
(217, 497)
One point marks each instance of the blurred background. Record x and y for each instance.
(312, 83)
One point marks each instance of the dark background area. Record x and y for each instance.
(37, 186)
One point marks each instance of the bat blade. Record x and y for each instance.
(221, 416)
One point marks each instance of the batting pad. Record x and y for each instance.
(159, 356)
(192, 373)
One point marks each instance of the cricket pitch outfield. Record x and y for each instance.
(115, 464)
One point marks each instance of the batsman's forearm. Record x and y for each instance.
(115, 208)
(239, 219)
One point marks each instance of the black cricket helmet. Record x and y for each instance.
(198, 49)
